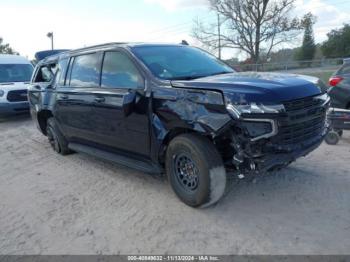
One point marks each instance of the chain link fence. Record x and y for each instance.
(290, 65)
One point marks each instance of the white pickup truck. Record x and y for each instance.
(15, 74)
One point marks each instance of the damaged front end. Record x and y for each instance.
(266, 137)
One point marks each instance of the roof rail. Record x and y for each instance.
(99, 45)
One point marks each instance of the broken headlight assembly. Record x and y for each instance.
(252, 119)
(237, 110)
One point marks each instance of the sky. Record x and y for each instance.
(25, 23)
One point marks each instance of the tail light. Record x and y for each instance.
(334, 80)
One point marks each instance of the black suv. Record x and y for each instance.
(178, 110)
(339, 91)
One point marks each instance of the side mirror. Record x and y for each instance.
(129, 102)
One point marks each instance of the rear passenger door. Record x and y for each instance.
(75, 97)
(116, 127)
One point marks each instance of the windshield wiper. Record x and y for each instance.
(199, 76)
(187, 77)
(221, 73)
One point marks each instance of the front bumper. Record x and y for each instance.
(265, 157)
(275, 160)
(14, 108)
(300, 130)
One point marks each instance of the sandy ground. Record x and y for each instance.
(50, 204)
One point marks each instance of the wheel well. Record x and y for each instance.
(170, 136)
(42, 119)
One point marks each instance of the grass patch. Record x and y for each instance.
(322, 75)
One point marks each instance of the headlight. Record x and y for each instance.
(237, 110)
(260, 128)
(2, 93)
(256, 125)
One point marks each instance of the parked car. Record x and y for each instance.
(178, 110)
(15, 74)
(340, 86)
(45, 53)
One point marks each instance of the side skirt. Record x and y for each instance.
(144, 166)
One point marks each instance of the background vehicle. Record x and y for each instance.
(176, 109)
(339, 120)
(45, 53)
(340, 86)
(15, 74)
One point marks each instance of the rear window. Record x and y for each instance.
(15, 72)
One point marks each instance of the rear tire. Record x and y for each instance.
(195, 170)
(332, 138)
(56, 139)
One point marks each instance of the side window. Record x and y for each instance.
(44, 75)
(61, 71)
(86, 70)
(119, 72)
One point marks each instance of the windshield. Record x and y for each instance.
(179, 62)
(15, 72)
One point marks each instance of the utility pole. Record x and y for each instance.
(50, 35)
(219, 34)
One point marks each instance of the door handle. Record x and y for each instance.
(100, 99)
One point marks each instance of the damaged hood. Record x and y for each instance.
(257, 87)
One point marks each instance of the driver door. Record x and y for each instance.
(120, 114)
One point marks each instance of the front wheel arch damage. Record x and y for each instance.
(179, 110)
(167, 140)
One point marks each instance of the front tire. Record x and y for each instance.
(56, 139)
(195, 170)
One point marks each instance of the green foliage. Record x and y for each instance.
(338, 43)
(6, 49)
(308, 48)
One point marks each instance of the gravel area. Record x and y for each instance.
(51, 204)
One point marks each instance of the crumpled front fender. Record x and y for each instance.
(175, 109)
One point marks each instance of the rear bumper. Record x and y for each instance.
(339, 104)
(14, 108)
(340, 97)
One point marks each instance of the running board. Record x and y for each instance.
(144, 166)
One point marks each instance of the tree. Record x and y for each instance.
(253, 26)
(6, 49)
(308, 48)
(338, 43)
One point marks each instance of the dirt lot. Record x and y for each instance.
(50, 204)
